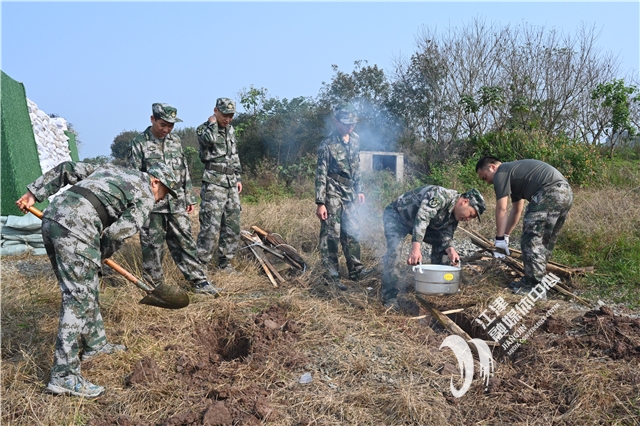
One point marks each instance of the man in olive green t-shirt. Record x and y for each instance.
(550, 198)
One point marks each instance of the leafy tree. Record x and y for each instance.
(368, 89)
(465, 82)
(252, 100)
(188, 137)
(196, 168)
(617, 98)
(120, 146)
(100, 159)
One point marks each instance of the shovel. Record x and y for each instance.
(162, 296)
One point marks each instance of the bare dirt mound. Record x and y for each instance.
(601, 333)
(204, 369)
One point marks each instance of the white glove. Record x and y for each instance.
(502, 244)
(506, 239)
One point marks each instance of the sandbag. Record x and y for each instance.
(14, 250)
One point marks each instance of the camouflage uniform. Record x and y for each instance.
(220, 206)
(544, 217)
(338, 183)
(426, 214)
(550, 198)
(76, 240)
(169, 220)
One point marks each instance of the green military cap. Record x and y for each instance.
(475, 200)
(161, 171)
(346, 114)
(165, 112)
(226, 106)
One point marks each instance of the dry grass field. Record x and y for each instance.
(238, 359)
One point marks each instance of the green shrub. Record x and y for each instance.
(196, 167)
(381, 187)
(580, 163)
(457, 175)
(616, 259)
(301, 173)
(268, 181)
(623, 170)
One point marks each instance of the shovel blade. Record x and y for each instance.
(166, 297)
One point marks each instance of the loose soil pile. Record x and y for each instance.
(197, 370)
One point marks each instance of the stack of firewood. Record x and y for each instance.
(273, 253)
(513, 262)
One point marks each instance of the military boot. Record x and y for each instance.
(228, 269)
(206, 288)
(361, 274)
(332, 276)
(75, 385)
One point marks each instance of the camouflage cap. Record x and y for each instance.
(161, 171)
(165, 112)
(226, 106)
(346, 114)
(475, 200)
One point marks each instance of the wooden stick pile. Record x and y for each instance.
(273, 253)
(513, 262)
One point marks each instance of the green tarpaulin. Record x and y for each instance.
(20, 163)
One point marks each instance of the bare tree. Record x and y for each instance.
(467, 81)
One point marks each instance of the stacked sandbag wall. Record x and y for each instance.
(51, 140)
(21, 234)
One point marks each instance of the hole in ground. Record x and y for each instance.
(237, 345)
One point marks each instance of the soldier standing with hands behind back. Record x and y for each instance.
(221, 187)
(338, 188)
(169, 220)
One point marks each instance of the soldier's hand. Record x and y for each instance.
(321, 212)
(453, 255)
(239, 186)
(212, 118)
(415, 257)
(361, 198)
(26, 201)
(190, 208)
(501, 244)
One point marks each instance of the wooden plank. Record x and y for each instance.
(271, 267)
(448, 323)
(552, 267)
(264, 266)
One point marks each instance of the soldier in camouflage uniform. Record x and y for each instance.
(430, 214)
(550, 198)
(82, 226)
(338, 189)
(169, 219)
(221, 187)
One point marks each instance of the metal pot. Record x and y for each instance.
(436, 279)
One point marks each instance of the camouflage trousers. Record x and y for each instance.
(544, 217)
(75, 264)
(395, 231)
(219, 214)
(341, 226)
(175, 228)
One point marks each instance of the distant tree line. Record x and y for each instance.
(463, 92)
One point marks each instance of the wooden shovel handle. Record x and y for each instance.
(37, 213)
(110, 263)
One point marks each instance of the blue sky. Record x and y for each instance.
(102, 65)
